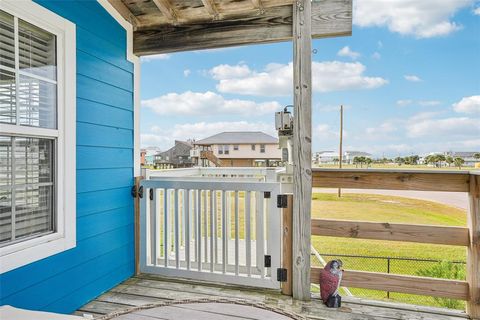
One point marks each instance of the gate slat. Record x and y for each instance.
(224, 231)
(199, 230)
(177, 230)
(186, 214)
(212, 224)
(205, 224)
(259, 233)
(153, 226)
(248, 249)
(165, 226)
(237, 249)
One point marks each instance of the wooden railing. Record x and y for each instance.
(451, 181)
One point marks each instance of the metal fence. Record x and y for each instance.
(396, 265)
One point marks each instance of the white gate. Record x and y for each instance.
(223, 231)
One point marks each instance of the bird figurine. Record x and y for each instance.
(330, 278)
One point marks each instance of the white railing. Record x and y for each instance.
(259, 174)
(215, 230)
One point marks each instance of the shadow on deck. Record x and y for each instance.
(147, 289)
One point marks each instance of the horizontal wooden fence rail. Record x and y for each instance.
(449, 181)
(453, 289)
(454, 181)
(457, 236)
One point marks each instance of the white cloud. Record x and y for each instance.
(447, 127)
(225, 71)
(404, 102)
(476, 11)
(422, 19)
(347, 52)
(383, 129)
(165, 137)
(376, 56)
(412, 78)
(468, 105)
(429, 103)
(162, 56)
(203, 103)
(186, 72)
(276, 79)
(423, 103)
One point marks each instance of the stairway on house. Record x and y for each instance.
(208, 154)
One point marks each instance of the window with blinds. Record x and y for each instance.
(28, 134)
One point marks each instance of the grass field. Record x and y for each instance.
(379, 208)
(391, 166)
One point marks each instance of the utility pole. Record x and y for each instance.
(340, 151)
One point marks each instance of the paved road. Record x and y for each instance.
(455, 199)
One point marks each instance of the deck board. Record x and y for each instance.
(147, 289)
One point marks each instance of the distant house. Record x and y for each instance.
(348, 156)
(324, 157)
(177, 156)
(150, 153)
(468, 157)
(237, 149)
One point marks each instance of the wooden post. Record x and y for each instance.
(302, 147)
(473, 253)
(137, 226)
(340, 149)
(287, 216)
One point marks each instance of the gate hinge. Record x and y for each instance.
(267, 195)
(137, 192)
(281, 274)
(140, 192)
(151, 194)
(134, 192)
(268, 261)
(282, 201)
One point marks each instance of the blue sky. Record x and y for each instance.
(409, 78)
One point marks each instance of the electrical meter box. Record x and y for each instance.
(283, 121)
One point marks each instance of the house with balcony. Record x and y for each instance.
(83, 231)
(237, 149)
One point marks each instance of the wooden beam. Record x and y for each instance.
(257, 4)
(211, 8)
(124, 12)
(455, 236)
(287, 225)
(453, 289)
(302, 147)
(166, 8)
(426, 180)
(329, 18)
(473, 252)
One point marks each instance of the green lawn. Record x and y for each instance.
(390, 166)
(380, 208)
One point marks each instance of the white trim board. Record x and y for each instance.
(136, 82)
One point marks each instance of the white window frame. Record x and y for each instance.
(64, 238)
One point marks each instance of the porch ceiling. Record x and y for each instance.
(163, 26)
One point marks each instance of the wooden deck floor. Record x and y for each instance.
(147, 289)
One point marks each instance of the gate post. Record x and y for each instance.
(302, 147)
(287, 225)
(473, 251)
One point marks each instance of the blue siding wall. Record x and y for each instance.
(104, 255)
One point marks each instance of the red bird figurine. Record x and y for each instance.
(330, 278)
